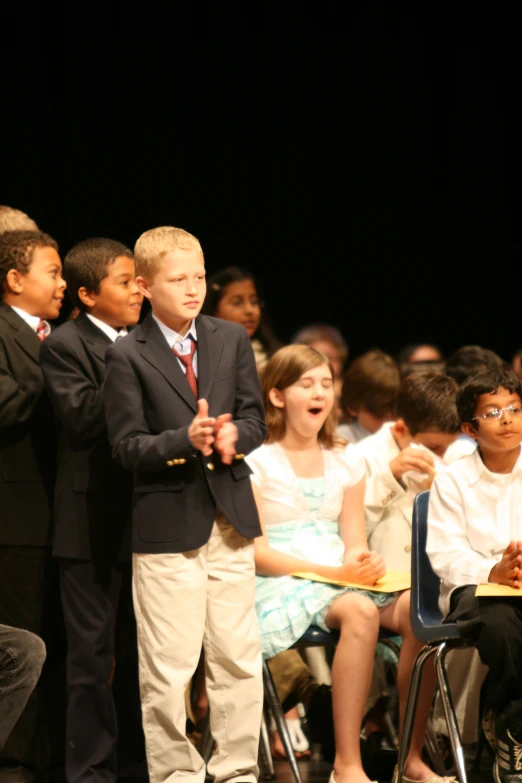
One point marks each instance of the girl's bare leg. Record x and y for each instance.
(357, 618)
(396, 617)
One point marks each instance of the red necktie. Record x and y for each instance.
(41, 330)
(186, 359)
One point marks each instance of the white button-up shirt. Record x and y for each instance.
(182, 345)
(32, 320)
(473, 515)
(111, 333)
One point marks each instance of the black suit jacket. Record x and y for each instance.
(149, 408)
(93, 493)
(27, 437)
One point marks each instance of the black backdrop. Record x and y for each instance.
(360, 157)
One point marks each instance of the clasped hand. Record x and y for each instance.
(508, 571)
(208, 434)
(365, 568)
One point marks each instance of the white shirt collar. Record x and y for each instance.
(478, 469)
(173, 337)
(111, 333)
(30, 320)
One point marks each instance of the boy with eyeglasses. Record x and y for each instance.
(474, 537)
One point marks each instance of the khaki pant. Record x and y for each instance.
(182, 601)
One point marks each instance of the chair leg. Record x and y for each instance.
(277, 711)
(432, 747)
(411, 707)
(449, 712)
(265, 753)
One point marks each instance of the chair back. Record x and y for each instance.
(425, 615)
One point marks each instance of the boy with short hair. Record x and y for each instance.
(32, 291)
(184, 407)
(474, 537)
(369, 395)
(400, 455)
(92, 518)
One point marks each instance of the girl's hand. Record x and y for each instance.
(370, 568)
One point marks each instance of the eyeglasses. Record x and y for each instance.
(514, 410)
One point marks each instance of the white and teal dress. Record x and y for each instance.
(301, 516)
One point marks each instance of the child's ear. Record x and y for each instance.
(143, 286)
(15, 281)
(86, 297)
(276, 398)
(469, 430)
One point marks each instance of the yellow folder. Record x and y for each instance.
(391, 582)
(499, 591)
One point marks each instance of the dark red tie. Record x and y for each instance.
(41, 330)
(186, 359)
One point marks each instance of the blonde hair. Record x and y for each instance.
(153, 245)
(284, 369)
(15, 220)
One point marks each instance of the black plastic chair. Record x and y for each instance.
(439, 639)
(312, 637)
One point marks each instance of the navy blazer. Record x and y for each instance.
(28, 439)
(92, 507)
(149, 408)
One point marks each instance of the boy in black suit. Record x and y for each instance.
(92, 520)
(32, 290)
(184, 407)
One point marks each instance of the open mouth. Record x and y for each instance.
(315, 411)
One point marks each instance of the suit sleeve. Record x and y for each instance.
(249, 415)
(17, 401)
(133, 445)
(77, 402)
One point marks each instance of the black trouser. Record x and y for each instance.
(104, 731)
(24, 584)
(495, 625)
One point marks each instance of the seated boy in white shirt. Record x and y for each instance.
(475, 536)
(396, 468)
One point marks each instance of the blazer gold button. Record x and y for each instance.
(181, 461)
(170, 463)
(210, 466)
(239, 456)
(407, 548)
(175, 461)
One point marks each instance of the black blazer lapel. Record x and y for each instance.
(97, 339)
(210, 347)
(22, 333)
(157, 352)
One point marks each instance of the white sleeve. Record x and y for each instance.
(451, 555)
(354, 463)
(255, 463)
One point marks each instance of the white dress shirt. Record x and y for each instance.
(111, 333)
(32, 320)
(182, 345)
(473, 515)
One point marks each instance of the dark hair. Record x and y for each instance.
(216, 286)
(85, 265)
(427, 402)
(372, 383)
(17, 251)
(470, 360)
(487, 382)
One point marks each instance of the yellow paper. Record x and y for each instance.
(499, 591)
(391, 582)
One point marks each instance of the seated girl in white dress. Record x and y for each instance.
(310, 495)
